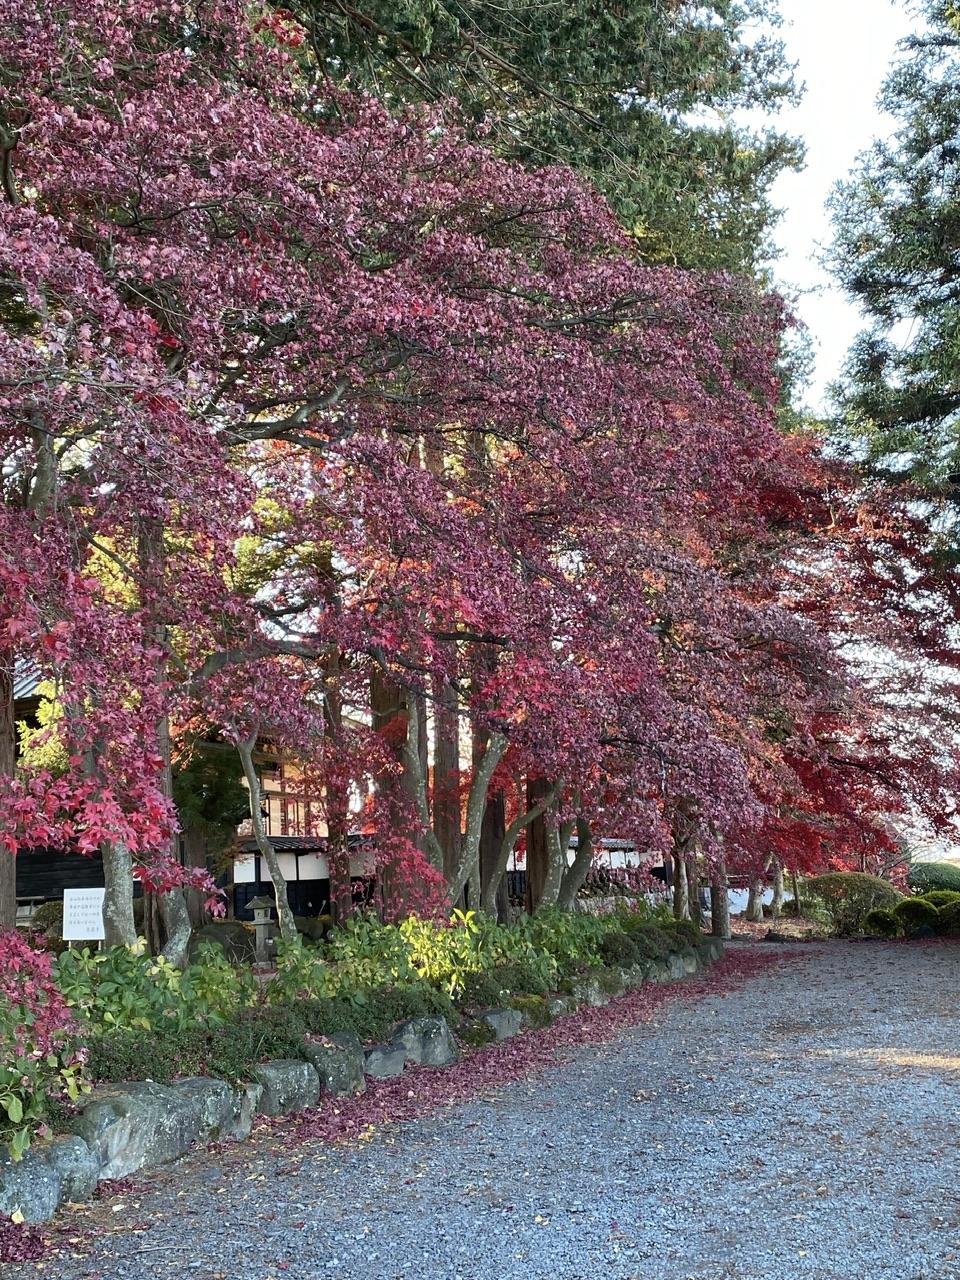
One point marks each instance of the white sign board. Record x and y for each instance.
(83, 915)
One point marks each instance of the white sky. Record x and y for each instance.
(843, 49)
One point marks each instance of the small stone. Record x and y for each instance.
(560, 1005)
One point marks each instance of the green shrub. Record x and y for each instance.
(496, 986)
(40, 1062)
(364, 954)
(226, 1050)
(476, 1033)
(534, 1010)
(373, 1014)
(622, 948)
(848, 896)
(571, 939)
(685, 933)
(369, 954)
(127, 988)
(881, 922)
(941, 898)
(302, 973)
(48, 918)
(950, 919)
(926, 876)
(913, 914)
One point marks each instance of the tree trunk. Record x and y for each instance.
(468, 868)
(176, 925)
(693, 889)
(537, 853)
(778, 890)
(578, 870)
(558, 846)
(8, 765)
(755, 901)
(415, 783)
(151, 927)
(490, 894)
(796, 892)
(119, 926)
(196, 854)
(287, 925)
(719, 903)
(681, 898)
(496, 882)
(337, 799)
(493, 897)
(173, 903)
(446, 777)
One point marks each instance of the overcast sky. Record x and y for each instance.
(843, 49)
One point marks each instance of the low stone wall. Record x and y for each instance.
(125, 1128)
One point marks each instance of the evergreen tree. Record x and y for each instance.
(897, 253)
(636, 95)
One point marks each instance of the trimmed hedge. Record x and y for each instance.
(950, 919)
(493, 986)
(278, 1029)
(881, 922)
(914, 914)
(941, 898)
(256, 1035)
(926, 876)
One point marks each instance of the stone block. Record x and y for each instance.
(633, 976)
(560, 1005)
(338, 1061)
(288, 1085)
(504, 1023)
(76, 1166)
(246, 1108)
(234, 939)
(31, 1186)
(137, 1125)
(210, 1105)
(587, 989)
(427, 1042)
(385, 1061)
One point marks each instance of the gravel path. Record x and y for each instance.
(804, 1126)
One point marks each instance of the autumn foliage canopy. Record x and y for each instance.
(328, 424)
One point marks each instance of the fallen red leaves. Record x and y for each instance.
(20, 1243)
(426, 1090)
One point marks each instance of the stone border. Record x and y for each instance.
(126, 1128)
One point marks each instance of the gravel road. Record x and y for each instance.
(805, 1126)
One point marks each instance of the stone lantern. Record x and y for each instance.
(262, 909)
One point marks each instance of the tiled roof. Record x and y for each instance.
(26, 680)
(297, 844)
